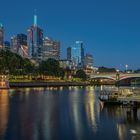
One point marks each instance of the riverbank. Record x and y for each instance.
(45, 84)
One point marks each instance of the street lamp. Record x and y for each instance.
(126, 67)
(117, 75)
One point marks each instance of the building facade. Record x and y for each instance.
(69, 53)
(22, 45)
(35, 41)
(88, 62)
(1, 36)
(51, 49)
(75, 53)
(19, 45)
(7, 45)
(14, 43)
(65, 64)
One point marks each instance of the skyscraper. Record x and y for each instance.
(75, 53)
(1, 36)
(35, 41)
(51, 49)
(19, 45)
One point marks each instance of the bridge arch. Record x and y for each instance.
(103, 80)
(103, 77)
(129, 77)
(128, 81)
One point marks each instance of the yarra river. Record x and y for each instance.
(68, 113)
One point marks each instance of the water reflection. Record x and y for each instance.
(72, 113)
(4, 108)
(91, 109)
(76, 112)
(126, 120)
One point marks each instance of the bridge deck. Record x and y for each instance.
(113, 76)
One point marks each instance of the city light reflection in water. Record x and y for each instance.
(63, 113)
(4, 109)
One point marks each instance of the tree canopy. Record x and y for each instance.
(14, 63)
(51, 67)
(105, 69)
(81, 74)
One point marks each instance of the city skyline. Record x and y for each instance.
(109, 30)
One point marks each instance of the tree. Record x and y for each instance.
(28, 66)
(105, 69)
(81, 74)
(51, 67)
(14, 63)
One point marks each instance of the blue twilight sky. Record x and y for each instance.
(110, 29)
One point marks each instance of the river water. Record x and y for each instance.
(69, 113)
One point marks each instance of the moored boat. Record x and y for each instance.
(109, 97)
(115, 96)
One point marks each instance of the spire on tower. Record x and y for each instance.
(35, 18)
(1, 25)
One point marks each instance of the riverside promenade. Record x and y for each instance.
(45, 84)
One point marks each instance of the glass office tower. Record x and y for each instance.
(35, 41)
(75, 53)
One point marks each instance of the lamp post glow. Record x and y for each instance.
(126, 67)
(117, 75)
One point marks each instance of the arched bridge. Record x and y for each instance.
(122, 79)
